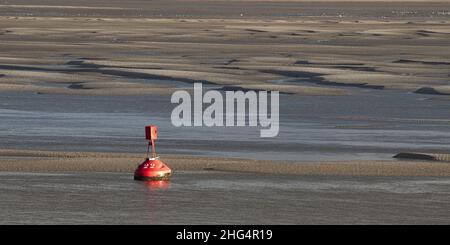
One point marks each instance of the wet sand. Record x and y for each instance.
(39, 187)
(293, 47)
(209, 197)
(44, 161)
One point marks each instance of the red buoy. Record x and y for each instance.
(152, 168)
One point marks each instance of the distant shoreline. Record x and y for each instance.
(50, 161)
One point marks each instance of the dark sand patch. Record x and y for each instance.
(228, 67)
(239, 88)
(430, 90)
(139, 75)
(423, 156)
(406, 61)
(94, 68)
(427, 33)
(229, 62)
(31, 68)
(346, 66)
(254, 30)
(316, 78)
(356, 68)
(77, 85)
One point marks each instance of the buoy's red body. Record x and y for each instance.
(152, 168)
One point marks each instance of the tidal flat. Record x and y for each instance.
(359, 82)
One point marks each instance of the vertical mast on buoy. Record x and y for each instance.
(152, 168)
(151, 134)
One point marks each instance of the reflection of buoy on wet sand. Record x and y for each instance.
(152, 168)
